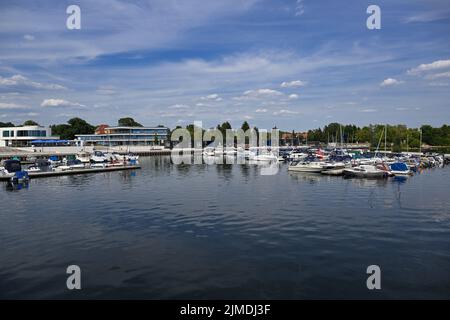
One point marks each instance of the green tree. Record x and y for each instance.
(6, 124)
(245, 126)
(73, 127)
(128, 122)
(30, 123)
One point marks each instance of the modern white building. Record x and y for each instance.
(23, 136)
(126, 136)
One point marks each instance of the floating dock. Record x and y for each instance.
(45, 174)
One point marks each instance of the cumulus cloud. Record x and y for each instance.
(390, 82)
(293, 96)
(19, 80)
(436, 65)
(293, 84)
(60, 103)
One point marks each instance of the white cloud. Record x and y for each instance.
(390, 82)
(368, 110)
(19, 80)
(284, 112)
(299, 8)
(28, 37)
(261, 110)
(60, 103)
(261, 93)
(293, 96)
(179, 106)
(436, 65)
(10, 106)
(212, 97)
(294, 83)
(438, 75)
(106, 90)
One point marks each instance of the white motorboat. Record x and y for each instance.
(62, 168)
(296, 155)
(132, 157)
(76, 164)
(98, 156)
(33, 168)
(266, 157)
(230, 151)
(364, 171)
(306, 166)
(208, 152)
(84, 157)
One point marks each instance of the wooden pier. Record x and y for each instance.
(45, 174)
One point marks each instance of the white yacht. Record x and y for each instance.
(364, 171)
(306, 166)
(98, 156)
(84, 157)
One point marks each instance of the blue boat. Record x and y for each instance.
(400, 169)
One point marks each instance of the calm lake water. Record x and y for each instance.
(225, 231)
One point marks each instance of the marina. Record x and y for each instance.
(225, 231)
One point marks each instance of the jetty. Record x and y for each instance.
(45, 174)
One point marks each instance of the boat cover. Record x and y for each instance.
(399, 166)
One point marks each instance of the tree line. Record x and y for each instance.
(399, 137)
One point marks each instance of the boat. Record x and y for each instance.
(306, 166)
(54, 160)
(62, 168)
(364, 171)
(13, 169)
(76, 164)
(400, 169)
(132, 157)
(266, 157)
(84, 157)
(334, 168)
(33, 168)
(99, 165)
(98, 156)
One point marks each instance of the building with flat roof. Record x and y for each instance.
(126, 136)
(23, 136)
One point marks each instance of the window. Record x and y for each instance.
(6, 134)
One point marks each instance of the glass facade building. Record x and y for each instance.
(127, 136)
(23, 136)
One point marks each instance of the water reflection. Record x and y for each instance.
(225, 231)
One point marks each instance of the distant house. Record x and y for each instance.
(101, 129)
(293, 138)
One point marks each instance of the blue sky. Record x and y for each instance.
(290, 63)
